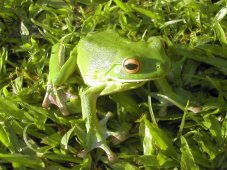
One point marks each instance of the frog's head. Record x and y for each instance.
(139, 61)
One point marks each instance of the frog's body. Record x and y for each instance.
(109, 63)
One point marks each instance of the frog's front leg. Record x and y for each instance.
(96, 131)
(59, 73)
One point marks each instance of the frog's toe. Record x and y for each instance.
(117, 137)
(111, 156)
(105, 119)
(82, 153)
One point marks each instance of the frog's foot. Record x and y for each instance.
(110, 155)
(119, 136)
(57, 97)
(96, 138)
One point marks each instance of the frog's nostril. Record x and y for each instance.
(158, 66)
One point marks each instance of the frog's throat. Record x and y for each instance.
(111, 81)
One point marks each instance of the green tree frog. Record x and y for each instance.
(108, 63)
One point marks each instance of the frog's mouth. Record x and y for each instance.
(134, 80)
(124, 77)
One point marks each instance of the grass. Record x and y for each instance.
(178, 122)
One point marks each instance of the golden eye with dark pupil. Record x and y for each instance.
(131, 65)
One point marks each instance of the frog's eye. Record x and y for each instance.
(131, 65)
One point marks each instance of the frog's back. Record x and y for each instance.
(97, 53)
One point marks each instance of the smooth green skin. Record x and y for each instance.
(99, 57)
